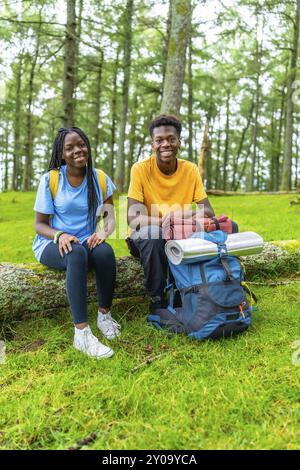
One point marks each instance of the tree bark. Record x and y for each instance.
(289, 123)
(114, 116)
(70, 66)
(226, 149)
(98, 106)
(17, 125)
(132, 138)
(166, 45)
(258, 58)
(235, 184)
(190, 96)
(297, 159)
(204, 154)
(173, 84)
(33, 290)
(278, 155)
(5, 178)
(27, 172)
(78, 30)
(217, 171)
(255, 134)
(120, 168)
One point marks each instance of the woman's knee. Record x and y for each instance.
(104, 252)
(78, 255)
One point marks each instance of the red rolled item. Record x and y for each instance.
(178, 228)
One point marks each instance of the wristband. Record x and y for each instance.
(57, 235)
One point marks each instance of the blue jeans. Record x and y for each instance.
(76, 263)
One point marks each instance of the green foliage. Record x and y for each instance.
(229, 54)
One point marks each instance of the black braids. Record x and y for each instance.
(57, 150)
(57, 161)
(93, 201)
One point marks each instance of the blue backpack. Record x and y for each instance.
(213, 296)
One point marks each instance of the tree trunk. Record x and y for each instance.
(255, 133)
(289, 123)
(172, 91)
(70, 66)
(114, 116)
(120, 168)
(27, 172)
(235, 184)
(166, 45)
(205, 154)
(209, 161)
(274, 131)
(279, 142)
(97, 106)
(17, 125)
(296, 158)
(190, 96)
(78, 26)
(217, 172)
(226, 149)
(32, 290)
(259, 53)
(132, 138)
(5, 182)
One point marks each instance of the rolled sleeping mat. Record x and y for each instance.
(192, 250)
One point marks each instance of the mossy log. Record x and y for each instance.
(28, 290)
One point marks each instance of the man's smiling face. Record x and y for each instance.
(165, 143)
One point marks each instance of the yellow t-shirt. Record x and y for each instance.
(162, 193)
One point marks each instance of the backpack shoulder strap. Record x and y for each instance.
(54, 176)
(102, 182)
(53, 182)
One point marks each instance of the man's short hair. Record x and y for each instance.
(165, 120)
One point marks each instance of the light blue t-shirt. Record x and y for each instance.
(69, 208)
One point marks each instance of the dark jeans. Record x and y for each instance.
(77, 263)
(148, 245)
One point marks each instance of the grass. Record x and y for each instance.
(240, 393)
(270, 216)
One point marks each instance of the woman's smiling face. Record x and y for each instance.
(75, 151)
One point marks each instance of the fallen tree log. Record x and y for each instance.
(221, 192)
(29, 290)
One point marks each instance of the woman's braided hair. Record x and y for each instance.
(57, 161)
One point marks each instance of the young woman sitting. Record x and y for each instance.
(68, 202)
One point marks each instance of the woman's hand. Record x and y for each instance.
(96, 239)
(64, 243)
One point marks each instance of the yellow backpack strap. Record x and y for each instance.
(53, 182)
(102, 182)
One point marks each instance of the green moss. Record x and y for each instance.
(35, 267)
(228, 394)
(291, 246)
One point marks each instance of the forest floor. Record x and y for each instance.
(158, 391)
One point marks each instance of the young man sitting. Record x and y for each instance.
(158, 185)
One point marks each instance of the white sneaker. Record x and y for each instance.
(108, 326)
(86, 342)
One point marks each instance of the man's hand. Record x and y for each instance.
(64, 243)
(96, 239)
